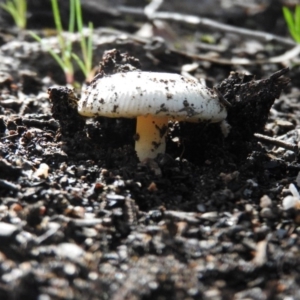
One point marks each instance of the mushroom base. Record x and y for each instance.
(151, 132)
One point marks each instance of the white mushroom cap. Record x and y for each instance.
(152, 98)
(135, 94)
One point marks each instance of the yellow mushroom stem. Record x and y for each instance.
(150, 136)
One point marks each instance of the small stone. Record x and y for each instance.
(42, 171)
(265, 201)
(213, 294)
(248, 208)
(64, 181)
(254, 293)
(7, 230)
(70, 269)
(201, 207)
(284, 123)
(210, 216)
(115, 197)
(289, 202)
(68, 250)
(152, 187)
(266, 213)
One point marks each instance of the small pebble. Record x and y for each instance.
(42, 171)
(69, 250)
(267, 213)
(265, 201)
(7, 230)
(290, 202)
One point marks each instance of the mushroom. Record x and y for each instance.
(152, 98)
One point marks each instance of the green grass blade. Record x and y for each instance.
(86, 43)
(18, 10)
(297, 19)
(288, 16)
(56, 57)
(66, 56)
(71, 28)
(80, 64)
(58, 25)
(23, 13)
(20, 6)
(79, 15)
(293, 22)
(9, 7)
(293, 33)
(80, 29)
(56, 15)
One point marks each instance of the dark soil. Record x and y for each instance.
(214, 217)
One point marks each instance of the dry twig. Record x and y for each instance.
(151, 13)
(275, 142)
(208, 23)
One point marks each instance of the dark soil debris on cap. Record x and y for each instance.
(115, 62)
